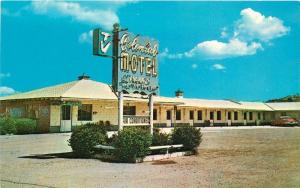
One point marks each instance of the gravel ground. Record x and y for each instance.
(264, 157)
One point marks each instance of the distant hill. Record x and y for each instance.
(290, 98)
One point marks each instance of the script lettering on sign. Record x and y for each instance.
(138, 69)
(102, 42)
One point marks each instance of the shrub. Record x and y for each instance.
(132, 143)
(107, 123)
(190, 137)
(112, 128)
(160, 139)
(84, 138)
(7, 126)
(111, 140)
(25, 126)
(180, 125)
(159, 125)
(101, 123)
(109, 127)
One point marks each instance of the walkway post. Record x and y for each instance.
(151, 113)
(120, 110)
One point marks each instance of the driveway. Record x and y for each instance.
(255, 157)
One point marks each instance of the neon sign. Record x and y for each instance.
(135, 68)
(138, 70)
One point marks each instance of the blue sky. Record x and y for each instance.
(215, 50)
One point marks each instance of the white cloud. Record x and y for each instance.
(219, 50)
(164, 53)
(251, 32)
(4, 90)
(194, 66)
(224, 33)
(86, 37)
(104, 17)
(218, 67)
(254, 25)
(4, 75)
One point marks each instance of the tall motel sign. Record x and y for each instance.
(135, 69)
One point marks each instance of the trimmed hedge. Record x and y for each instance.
(131, 143)
(26, 126)
(17, 126)
(160, 139)
(190, 137)
(8, 126)
(85, 137)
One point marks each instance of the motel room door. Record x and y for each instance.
(66, 118)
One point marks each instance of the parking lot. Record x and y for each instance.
(228, 157)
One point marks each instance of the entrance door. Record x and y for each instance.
(66, 122)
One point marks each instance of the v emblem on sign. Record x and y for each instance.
(103, 44)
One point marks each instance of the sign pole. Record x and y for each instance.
(151, 112)
(116, 29)
(120, 110)
(134, 60)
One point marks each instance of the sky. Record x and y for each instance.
(213, 50)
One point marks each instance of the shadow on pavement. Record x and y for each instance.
(67, 155)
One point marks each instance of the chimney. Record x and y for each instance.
(83, 77)
(179, 93)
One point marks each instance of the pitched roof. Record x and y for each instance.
(206, 103)
(255, 106)
(89, 89)
(285, 106)
(84, 89)
(217, 104)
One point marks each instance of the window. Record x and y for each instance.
(199, 115)
(178, 114)
(229, 115)
(258, 116)
(245, 115)
(263, 116)
(191, 115)
(211, 115)
(85, 112)
(235, 115)
(66, 112)
(129, 110)
(219, 115)
(17, 112)
(283, 113)
(168, 114)
(250, 115)
(154, 114)
(44, 112)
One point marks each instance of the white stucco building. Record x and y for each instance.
(62, 107)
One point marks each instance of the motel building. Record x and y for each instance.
(133, 98)
(61, 108)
